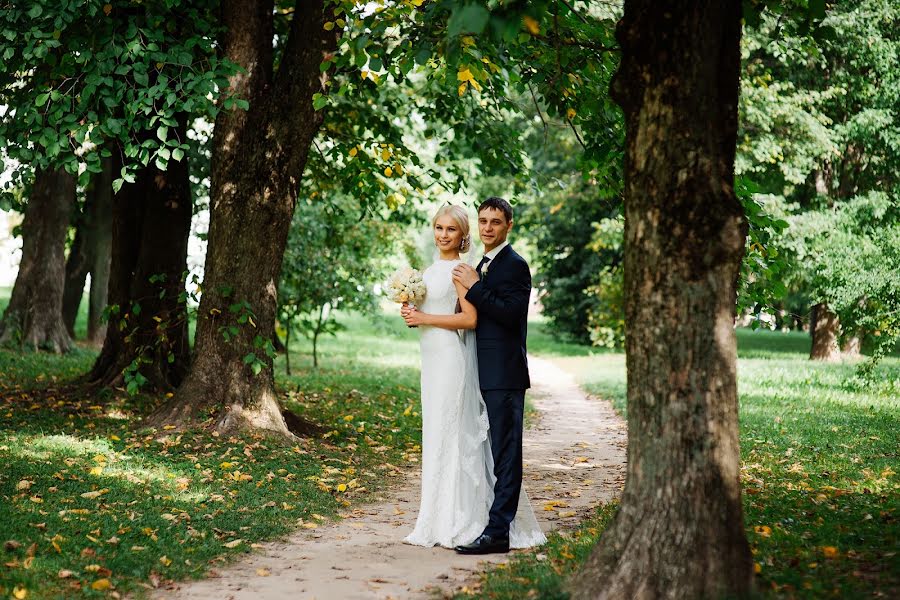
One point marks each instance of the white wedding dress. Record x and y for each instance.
(457, 465)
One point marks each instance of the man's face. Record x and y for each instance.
(493, 227)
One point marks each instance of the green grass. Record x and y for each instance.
(82, 491)
(819, 453)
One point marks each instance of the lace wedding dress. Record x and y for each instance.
(457, 465)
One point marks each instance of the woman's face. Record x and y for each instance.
(447, 234)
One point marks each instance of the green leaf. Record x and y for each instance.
(35, 11)
(161, 132)
(470, 19)
(178, 154)
(41, 99)
(319, 101)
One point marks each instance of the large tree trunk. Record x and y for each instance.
(148, 328)
(100, 267)
(679, 531)
(825, 329)
(33, 318)
(258, 160)
(90, 254)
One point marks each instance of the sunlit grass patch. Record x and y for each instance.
(111, 507)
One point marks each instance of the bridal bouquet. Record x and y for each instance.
(406, 285)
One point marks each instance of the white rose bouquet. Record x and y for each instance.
(406, 286)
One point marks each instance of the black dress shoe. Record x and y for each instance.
(486, 544)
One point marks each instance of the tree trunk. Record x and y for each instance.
(33, 318)
(258, 160)
(77, 267)
(90, 253)
(679, 531)
(825, 329)
(852, 346)
(151, 221)
(100, 268)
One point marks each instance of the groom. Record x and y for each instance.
(499, 289)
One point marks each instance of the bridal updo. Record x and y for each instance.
(459, 214)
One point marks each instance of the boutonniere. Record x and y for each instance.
(484, 269)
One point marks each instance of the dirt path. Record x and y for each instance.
(575, 455)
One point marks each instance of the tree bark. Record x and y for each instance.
(679, 531)
(90, 254)
(151, 222)
(258, 160)
(825, 329)
(33, 318)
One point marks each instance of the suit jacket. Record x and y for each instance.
(501, 298)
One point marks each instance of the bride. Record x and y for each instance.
(457, 465)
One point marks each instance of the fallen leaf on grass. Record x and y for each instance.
(101, 584)
(65, 573)
(20, 593)
(830, 551)
(763, 530)
(233, 543)
(24, 485)
(165, 560)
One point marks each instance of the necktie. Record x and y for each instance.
(480, 266)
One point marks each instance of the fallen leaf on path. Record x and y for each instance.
(263, 572)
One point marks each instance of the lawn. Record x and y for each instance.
(819, 453)
(90, 505)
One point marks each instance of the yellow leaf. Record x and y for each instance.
(226, 465)
(467, 41)
(91, 495)
(23, 485)
(263, 572)
(107, 8)
(19, 592)
(96, 470)
(329, 25)
(388, 171)
(531, 25)
(165, 560)
(233, 543)
(348, 417)
(353, 151)
(571, 113)
(464, 75)
(757, 568)
(462, 88)
(342, 487)
(309, 525)
(830, 551)
(37, 499)
(101, 584)
(385, 154)
(115, 438)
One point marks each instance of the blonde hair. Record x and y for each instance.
(459, 214)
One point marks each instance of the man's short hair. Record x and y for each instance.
(498, 204)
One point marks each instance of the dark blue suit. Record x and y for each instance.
(501, 298)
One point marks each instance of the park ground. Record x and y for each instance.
(92, 507)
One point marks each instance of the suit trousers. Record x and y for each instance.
(506, 410)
